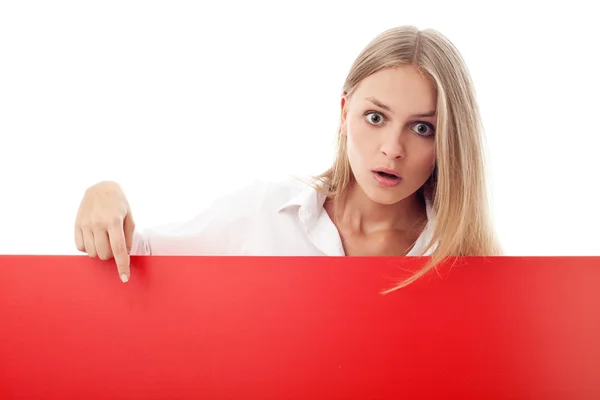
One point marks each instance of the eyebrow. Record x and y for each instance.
(387, 108)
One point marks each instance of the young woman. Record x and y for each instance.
(408, 178)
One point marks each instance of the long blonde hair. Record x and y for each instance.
(457, 188)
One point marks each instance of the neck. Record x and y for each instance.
(362, 215)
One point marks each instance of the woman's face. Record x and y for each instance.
(390, 123)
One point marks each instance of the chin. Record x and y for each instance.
(385, 196)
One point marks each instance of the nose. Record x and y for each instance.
(392, 146)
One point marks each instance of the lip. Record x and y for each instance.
(388, 171)
(386, 182)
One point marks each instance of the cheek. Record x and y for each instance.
(353, 149)
(357, 143)
(358, 135)
(424, 160)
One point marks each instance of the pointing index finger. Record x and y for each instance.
(118, 245)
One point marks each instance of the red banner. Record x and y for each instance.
(299, 328)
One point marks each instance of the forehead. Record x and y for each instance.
(404, 89)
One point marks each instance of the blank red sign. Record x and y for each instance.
(298, 328)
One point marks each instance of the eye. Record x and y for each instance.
(375, 118)
(423, 129)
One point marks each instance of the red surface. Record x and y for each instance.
(298, 328)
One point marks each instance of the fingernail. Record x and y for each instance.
(124, 278)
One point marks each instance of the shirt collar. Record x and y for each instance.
(309, 203)
(316, 222)
(307, 198)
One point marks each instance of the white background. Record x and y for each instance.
(181, 102)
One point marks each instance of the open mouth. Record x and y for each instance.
(387, 178)
(386, 175)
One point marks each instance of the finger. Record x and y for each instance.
(79, 239)
(102, 244)
(88, 241)
(129, 228)
(119, 250)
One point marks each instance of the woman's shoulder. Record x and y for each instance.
(275, 192)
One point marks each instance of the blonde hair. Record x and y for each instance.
(457, 187)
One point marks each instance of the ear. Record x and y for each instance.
(344, 115)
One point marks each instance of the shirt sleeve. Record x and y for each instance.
(220, 229)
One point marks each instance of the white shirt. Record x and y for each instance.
(284, 218)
